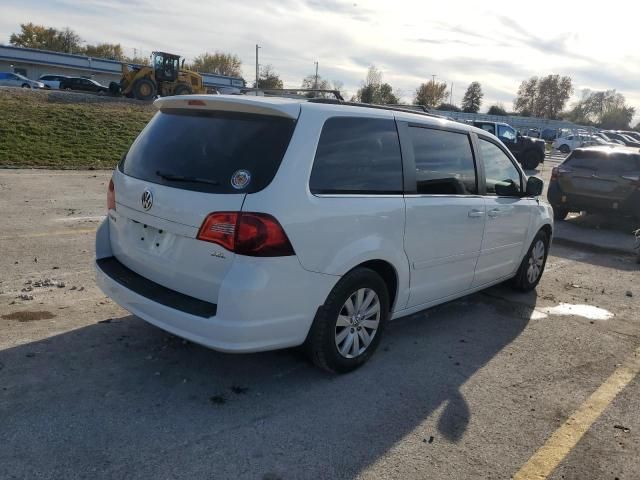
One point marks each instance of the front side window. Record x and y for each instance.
(357, 155)
(506, 133)
(444, 162)
(502, 177)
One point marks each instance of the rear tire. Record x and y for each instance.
(144, 89)
(26, 85)
(347, 328)
(532, 266)
(560, 213)
(531, 159)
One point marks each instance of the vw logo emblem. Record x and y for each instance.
(147, 199)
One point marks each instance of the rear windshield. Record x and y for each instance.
(214, 152)
(610, 162)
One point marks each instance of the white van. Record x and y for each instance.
(255, 223)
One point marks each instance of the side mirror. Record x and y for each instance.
(508, 188)
(535, 186)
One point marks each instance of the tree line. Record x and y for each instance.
(542, 97)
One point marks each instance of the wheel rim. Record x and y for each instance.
(145, 89)
(357, 323)
(536, 261)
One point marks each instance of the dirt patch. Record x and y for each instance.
(29, 315)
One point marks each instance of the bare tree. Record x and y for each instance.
(374, 91)
(543, 97)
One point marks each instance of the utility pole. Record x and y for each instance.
(451, 95)
(257, 72)
(434, 79)
(315, 85)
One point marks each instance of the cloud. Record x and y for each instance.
(464, 43)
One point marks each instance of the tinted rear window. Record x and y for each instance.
(357, 155)
(604, 162)
(209, 146)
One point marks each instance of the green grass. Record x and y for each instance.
(63, 130)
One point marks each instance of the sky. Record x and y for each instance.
(498, 44)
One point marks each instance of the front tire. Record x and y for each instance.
(532, 159)
(26, 85)
(533, 263)
(348, 327)
(564, 149)
(144, 89)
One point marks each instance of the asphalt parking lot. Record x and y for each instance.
(496, 385)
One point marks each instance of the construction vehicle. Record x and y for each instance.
(164, 77)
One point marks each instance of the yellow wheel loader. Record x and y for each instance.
(164, 78)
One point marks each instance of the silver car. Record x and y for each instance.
(17, 80)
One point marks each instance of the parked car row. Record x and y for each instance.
(605, 138)
(16, 80)
(53, 82)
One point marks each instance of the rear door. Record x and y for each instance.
(508, 214)
(185, 165)
(445, 214)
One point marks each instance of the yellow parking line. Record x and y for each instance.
(50, 234)
(565, 438)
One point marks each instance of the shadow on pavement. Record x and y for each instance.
(600, 258)
(126, 400)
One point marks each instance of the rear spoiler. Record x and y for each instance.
(288, 108)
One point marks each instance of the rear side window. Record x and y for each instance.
(357, 156)
(444, 162)
(205, 150)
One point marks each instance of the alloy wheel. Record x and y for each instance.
(536, 261)
(357, 323)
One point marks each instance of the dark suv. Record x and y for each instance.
(84, 84)
(597, 179)
(528, 151)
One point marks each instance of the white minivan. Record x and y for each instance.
(254, 223)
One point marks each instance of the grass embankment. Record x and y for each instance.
(67, 130)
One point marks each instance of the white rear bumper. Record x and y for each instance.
(263, 304)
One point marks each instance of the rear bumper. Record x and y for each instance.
(573, 202)
(263, 304)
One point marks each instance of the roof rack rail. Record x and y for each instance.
(416, 109)
(275, 91)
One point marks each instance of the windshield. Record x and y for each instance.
(205, 150)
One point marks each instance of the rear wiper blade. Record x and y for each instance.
(172, 177)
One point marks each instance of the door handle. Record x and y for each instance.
(494, 213)
(475, 213)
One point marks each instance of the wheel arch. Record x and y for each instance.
(387, 272)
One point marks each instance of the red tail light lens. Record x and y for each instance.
(246, 233)
(111, 196)
(554, 173)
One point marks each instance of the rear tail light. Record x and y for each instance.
(111, 196)
(554, 173)
(246, 233)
